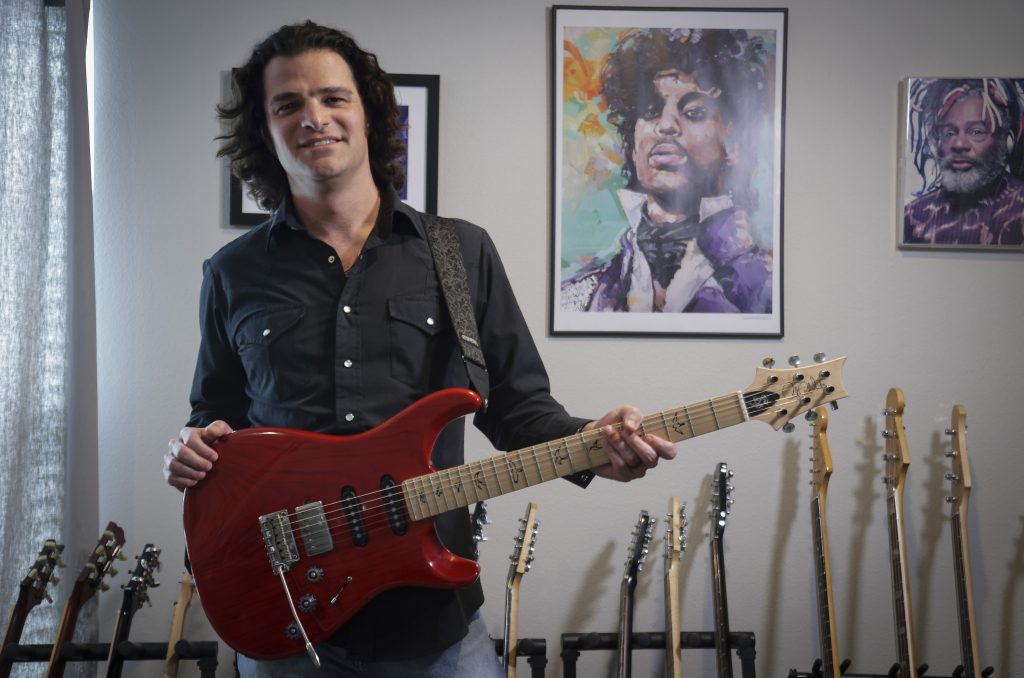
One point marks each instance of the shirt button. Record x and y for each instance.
(430, 321)
(349, 416)
(266, 332)
(347, 363)
(330, 259)
(346, 309)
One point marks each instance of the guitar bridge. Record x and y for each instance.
(279, 540)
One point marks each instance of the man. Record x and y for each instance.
(330, 317)
(687, 106)
(966, 134)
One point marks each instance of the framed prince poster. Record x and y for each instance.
(667, 199)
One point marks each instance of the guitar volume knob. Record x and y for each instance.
(307, 603)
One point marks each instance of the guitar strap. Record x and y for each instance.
(451, 271)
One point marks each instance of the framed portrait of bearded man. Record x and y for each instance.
(962, 164)
(667, 131)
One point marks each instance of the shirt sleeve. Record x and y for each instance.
(521, 410)
(218, 386)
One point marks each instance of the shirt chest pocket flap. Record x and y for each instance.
(414, 326)
(264, 347)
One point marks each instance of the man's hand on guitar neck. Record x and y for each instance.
(189, 456)
(630, 454)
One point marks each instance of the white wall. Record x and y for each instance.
(946, 327)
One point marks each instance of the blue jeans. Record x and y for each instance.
(472, 657)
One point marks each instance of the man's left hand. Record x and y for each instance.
(630, 453)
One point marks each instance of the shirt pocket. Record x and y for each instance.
(414, 328)
(266, 342)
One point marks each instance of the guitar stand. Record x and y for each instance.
(534, 649)
(573, 643)
(893, 672)
(205, 652)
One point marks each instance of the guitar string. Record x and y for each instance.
(373, 508)
(371, 511)
(503, 468)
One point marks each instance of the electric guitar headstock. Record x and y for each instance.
(525, 541)
(821, 456)
(675, 532)
(136, 591)
(777, 395)
(897, 454)
(479, 520)
(721, 499)
(41, 575)
(960, 476)
(640, 546)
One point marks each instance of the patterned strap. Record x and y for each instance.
(444, 246)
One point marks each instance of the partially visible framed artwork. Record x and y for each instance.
(418, 100)
(962, 164)
(667, 129)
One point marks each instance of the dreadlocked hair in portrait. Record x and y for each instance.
(930, 99)
(248, 145)
(729, 62)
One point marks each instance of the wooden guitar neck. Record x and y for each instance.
(821, 471)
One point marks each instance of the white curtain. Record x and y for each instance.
(47, 344)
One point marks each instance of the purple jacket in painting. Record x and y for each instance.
(722, 271)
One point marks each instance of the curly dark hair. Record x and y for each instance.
(248, 144)
(729, 60)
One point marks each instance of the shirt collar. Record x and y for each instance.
(393, 212)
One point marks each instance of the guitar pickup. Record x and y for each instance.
(279, 540)
(316, 534)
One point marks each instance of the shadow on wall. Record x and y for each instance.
(866, 495)
(933, 521)
(1014, 573)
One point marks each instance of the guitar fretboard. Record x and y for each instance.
(964, 607)
(901, 601)
(824, 591)
(435, 493)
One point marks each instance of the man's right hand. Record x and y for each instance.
(189, 456)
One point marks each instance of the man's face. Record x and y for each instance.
(969, 157)
(315, 118)
(679, 142)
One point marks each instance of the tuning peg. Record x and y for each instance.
(120, 555)
(114, 572)
(951, 454)
(54, 579)
(46, 594)
(834, 405)
(768, 362)
(794, 361)
(788, 427)
(949, 499)
(104, 586)
(811, 416)
(819, 357)
(952, 476)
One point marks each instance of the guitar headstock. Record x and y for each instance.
(101, 562)
(640, 545)
(897, 455)
(136, 591)
(721, 499)
(960, 476)
(821, 456)
(41, 574)
(777, 395)
(525, 541)
(675, 530)
(479, 520)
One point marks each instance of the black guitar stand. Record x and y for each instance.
(894, 672)
(574, 643)
(205, 652)
(534, 649)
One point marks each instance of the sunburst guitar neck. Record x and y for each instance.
(897, 461)
(959, 477)
(821, 472)
(675, 544)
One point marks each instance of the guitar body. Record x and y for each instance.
(262, 471)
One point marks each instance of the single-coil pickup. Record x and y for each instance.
(393, 500)
(279, 540)
(353, 511)
(316, 535)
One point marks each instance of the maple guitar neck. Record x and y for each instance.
(522, 558)
(960, 490)
(897, 460)
(181, 606)
(821, 471)
(775, 397)
(675, 542)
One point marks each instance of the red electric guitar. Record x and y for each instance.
(291, 533)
